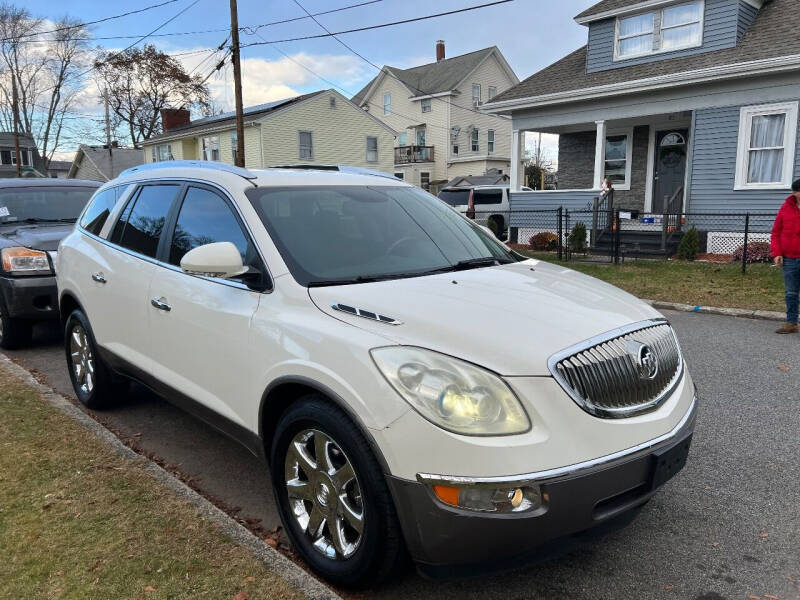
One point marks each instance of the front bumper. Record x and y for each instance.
(576, 498)
(33, 297)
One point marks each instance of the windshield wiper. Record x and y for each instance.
(476, 263)
(352, 281)
(38, 220)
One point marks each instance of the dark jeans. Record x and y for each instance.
(791, 279)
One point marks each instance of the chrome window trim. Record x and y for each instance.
(625, 412)
(563, 472)
(134, 185)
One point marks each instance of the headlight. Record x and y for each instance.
(25, 261)
(453, 394)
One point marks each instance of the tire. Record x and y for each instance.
(14, 333)
(369, 556)
(94, 383)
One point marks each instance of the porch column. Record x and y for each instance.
(600, 155)
(517, 172)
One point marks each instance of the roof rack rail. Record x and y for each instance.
(203, 164)
(341, 168)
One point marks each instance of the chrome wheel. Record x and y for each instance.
(82, 359)
(324, 494)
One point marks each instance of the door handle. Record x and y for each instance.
(98, 277)
(161, 304)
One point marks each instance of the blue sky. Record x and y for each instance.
(531, 34)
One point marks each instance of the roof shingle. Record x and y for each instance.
(773, 34)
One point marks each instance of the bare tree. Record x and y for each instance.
(47, 70)
(138, 83)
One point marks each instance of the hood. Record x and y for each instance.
(39, 237)
(509, 319)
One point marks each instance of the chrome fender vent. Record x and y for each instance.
(364, 314)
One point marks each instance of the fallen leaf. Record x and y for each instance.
(149, 589)
(763, 535)
(240, 596)
(272, 542)
(60, 573)
(770, 596)
(669, 586)
(249, 579)
(753, 597)
(783, 367)
(715, 544)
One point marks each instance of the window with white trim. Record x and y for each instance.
(234, 146)
(387, 103)
(618, 159)
(475, 144)
(402, 139)
(211, 147)
(426, 105)
(490, 141)
(767, 144)
(372, 149)
(161, 153)
(306, 145)
(476, 93)
(425, 180)
(492, 92)
(672, 28)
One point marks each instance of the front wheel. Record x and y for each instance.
(94, 383)
(332, 496)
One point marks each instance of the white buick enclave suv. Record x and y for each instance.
(333, 321)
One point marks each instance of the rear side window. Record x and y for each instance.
(488, 197)
(206, 218)
(140, 226)
(455, 197)
(100, 208)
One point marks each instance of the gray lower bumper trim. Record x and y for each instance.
(569, 470)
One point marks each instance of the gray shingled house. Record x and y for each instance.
(687, 106)
(101, 163)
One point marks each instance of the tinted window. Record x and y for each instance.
(43, 203)
(344, 232)
(455, 197)
(488, 197)
(142, 222)
(206, 218)
(98, 210)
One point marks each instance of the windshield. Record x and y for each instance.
(455, 197)
(43, 204)
(348, 234)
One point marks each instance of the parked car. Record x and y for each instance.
(486, 204)
(34, 215)
(322, 318)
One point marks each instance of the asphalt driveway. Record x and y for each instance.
(728, 527)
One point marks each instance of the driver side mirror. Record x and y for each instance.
(220, 259)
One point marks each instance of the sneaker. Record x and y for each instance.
(788, 328)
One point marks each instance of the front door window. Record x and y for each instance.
(670, 170)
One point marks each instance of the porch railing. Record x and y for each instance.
(413, 154)
(602, 217)
(671, 224)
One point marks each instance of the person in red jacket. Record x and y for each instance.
(785, 249)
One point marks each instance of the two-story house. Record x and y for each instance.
(687, 106)
(32, 164)
(435, 108)
(323, 128)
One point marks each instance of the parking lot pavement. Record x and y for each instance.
(726, 528)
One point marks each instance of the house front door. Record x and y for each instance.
(670, 169)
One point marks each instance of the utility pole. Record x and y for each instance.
(237, 84)
(15, 109)
(108, 138)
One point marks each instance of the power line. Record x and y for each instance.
(388, 72)
(103, 20)
(250, 30)
(370, 27)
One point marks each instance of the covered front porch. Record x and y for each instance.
(646, 159)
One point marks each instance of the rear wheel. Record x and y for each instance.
(333, 497)
(13, 332)
(93, 382)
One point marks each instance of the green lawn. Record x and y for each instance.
(78, 521)
(696, 283)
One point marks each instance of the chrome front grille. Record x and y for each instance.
(625, 372)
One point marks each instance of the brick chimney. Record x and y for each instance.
(439, 50)
(174, 117)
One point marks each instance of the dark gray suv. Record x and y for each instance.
(35, 214)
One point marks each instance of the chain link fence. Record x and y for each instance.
(616, 235)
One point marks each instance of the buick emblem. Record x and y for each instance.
(644, 358)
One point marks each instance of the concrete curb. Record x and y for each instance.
(714, 310)
(269, 556)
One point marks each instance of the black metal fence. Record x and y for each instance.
(615, 235)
